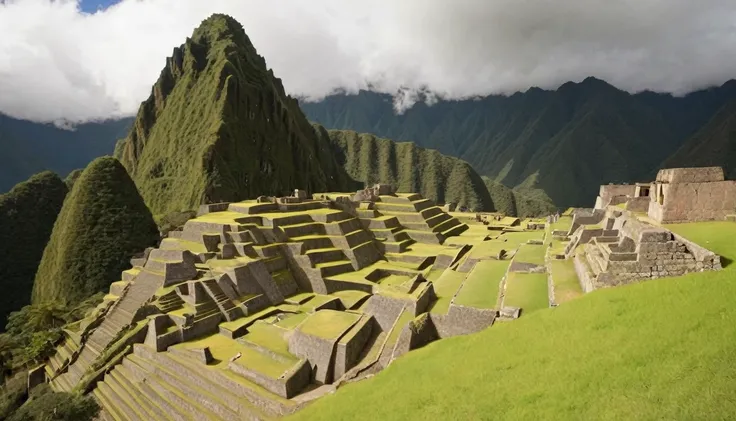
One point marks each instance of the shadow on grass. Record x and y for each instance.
(725, 261)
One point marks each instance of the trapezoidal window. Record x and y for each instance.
(644, 192)
(661, 196)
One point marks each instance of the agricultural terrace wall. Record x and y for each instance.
(351, 345)
(461, 320)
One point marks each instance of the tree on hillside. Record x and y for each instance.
(102, 224)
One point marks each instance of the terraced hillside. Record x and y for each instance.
(255, 308)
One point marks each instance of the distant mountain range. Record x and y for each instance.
(566, 142)
(559, 144)
(29, 148)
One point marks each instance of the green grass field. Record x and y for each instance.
(527, 290)
(445, 287)
(567, 285)
(655, 350)
(480, 289)
(529, 253)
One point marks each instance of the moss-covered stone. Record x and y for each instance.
(27, 215)
(102, 224)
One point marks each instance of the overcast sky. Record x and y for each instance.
(57, 62)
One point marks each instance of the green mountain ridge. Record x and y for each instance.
(410, 169)
(28, 213)
(569, 140)
(102, 224)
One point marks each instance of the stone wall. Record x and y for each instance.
(638, 204)
(690, 175)
(608, 192)
(351, 345)
(692, 202)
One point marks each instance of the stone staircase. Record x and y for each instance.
(223, 303)
(118, 318)
(166, 385)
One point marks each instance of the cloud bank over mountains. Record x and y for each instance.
(58, 63)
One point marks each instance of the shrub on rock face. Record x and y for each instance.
(102, 224)
(27, 215)
(46, 405)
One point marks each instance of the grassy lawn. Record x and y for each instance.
(529, 253)
(528, 291)
(328, 324)
(445, 287)
(567, 285)
(269, 337)
(489, 249)
(480, 289)
(564, 223)
(655, 350)
(513, 239)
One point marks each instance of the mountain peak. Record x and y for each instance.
(218, 126)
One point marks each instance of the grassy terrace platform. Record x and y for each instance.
(514, 239)
(328, 324)
(566, 283)
(481, 288)
(529, 253)
(526, 290)
(445, 287)
(558, 363)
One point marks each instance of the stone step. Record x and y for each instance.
(334, 268)
(217, 382)
(122, 400)
(152, 395)
(121, 376)
(177, 394)
(325, 255)
(200, 391)
(107, 403)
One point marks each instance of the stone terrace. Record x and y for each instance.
(253, 309)
(613, 247)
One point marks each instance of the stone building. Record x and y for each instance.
(677, 195)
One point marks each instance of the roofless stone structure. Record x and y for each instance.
(677, 195)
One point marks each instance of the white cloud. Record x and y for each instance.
(59, 63)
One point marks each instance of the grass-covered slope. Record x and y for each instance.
(660, 349)
(27, 215)
(103, 222)
(522, 202)
(409, 168)
(219, 127)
